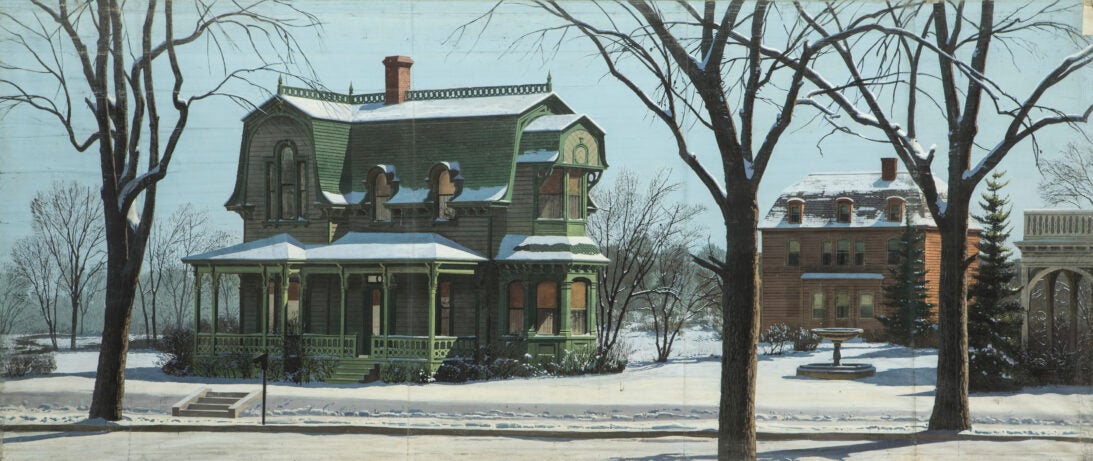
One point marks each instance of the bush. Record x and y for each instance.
(774, 338)
(177, 347)
(804, 340)
(17, 365)
(411, 372)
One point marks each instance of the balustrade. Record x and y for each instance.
(1058, 224)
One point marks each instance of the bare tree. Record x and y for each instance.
(678, 292)
(710, 72)
(93, 55)
(68, 220)
(13, 302)
(33, 269)
(632, 228)
(90, 298)
(957, 39)
(1068, 179)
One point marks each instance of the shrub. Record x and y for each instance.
(774, 338)
(804, 340)
(177, 347)
(405, 373)
(17, 365)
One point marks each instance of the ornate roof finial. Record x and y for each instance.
(549, 89)
(279, 83)
(351, 88)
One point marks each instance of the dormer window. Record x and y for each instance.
(550, 196)
(844, 209)
(380, 191)
(894, 211)
(561, 194)
(286, 184)
(794, 211)
(442, 189)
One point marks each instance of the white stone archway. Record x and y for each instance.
(1057, 242)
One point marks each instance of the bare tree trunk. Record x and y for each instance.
(951, 410)
(74, 302)
(109, 390)
(740, 307)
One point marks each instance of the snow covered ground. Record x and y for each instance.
(679, 395)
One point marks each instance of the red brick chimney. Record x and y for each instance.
(398, 79)
(888, 169)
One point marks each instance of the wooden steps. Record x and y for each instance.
(208, 404)
(355, 370)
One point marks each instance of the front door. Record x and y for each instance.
(372, 311)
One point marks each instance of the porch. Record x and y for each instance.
(402, 347)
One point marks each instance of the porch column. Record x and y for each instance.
(1026, 295)
(265, 309)
(215, 295)
(1049, 300)
(1074, 279)
(343, 286)
(594, 302)
(432, 313)
(197, 309)
(563, 307)
(384, 310)
(284, 302)
(304, 309)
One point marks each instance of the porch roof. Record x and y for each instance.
(544, 248)
(353, 247)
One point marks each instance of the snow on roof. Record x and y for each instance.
(866, 190)
(392, 246)
(538, 156)
(354, 246)
(515, 247)
(552, 122)
(841, 276)
(409, 195)
(432, 108)
(481, 194)
(349, 198)
(280, 247)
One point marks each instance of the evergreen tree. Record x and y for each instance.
(908, 317)
(994, 314)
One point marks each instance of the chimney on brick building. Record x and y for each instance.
(888, 169)
(398, 79)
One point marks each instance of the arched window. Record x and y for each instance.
(578, 307)
(286, 184)
(844, 210)
(794, 258)
(442, 189)
(795, 209)
(380, 190)
(893, 251)
(516, 307)
(546, 308)
(894, 211)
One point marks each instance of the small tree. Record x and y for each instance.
(679, 291)
(908, 319)
(32, 268)
(994, 315)
(632, 228)
(13, 303)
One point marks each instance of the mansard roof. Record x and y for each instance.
(474, 132)
(868, 192)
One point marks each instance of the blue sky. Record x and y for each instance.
(357, 35)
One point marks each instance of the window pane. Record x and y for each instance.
(272, 186)
(842, 305)
(578, 307)
(546, 304)
(381, 193)
(444, 189)
(301, 184)
(865, 305)
(795, 211)
(550, 197)
(817, 306)
(893, 251)
(288, 183)
(859, 252)
(794, 253)
(895, 211)
(825, 253)
(843, 252)
(516, 307)
(844, 212)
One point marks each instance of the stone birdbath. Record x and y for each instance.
(836, 369)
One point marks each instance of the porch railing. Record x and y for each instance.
(417, 347)
(251, 344)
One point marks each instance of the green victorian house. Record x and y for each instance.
(409, 225)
